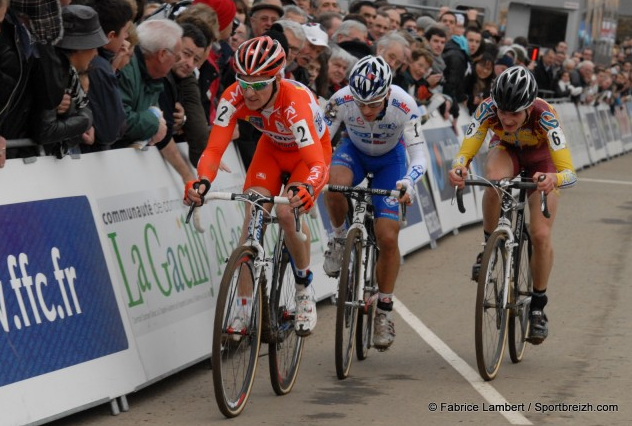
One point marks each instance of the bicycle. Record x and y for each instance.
(357, 287)
(505, 284)
(249, 313)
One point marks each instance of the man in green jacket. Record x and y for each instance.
(141, 82)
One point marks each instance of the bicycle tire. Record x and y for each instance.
(522, 288)
(349, 294)
(366, 316)
(491, 319)
(285, 346)
(235, 354)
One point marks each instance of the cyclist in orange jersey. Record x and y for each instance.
(526, 135)
(294, 140)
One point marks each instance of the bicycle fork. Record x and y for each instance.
(510, 245)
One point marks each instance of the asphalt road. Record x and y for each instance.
(583, 367)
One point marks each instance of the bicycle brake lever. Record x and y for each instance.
(297, 221)
(543, 200)
(196, 185)
(458, 194)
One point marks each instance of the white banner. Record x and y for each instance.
(575, 136)
(611, 136)
(595, 140)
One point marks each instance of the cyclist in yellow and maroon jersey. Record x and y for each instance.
(526, 135)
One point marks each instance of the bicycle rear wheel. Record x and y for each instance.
(519, 313)
(285, 346)
(491, 318)
(366, 315)
(349, 294)
(236, 338)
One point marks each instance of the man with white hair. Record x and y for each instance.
(317, 41)
(295, 13)
(392, 47)
(350, 30)
(295, 36)
(141, 83)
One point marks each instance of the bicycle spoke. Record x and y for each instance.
(286, 347)
(491, 318)
(348, 302)
(236, 334)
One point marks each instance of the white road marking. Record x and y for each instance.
(491, 395)
(608, 181)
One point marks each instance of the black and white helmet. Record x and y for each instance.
(515, 89)
(370, 78)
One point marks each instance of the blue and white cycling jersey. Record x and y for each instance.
(398, 123)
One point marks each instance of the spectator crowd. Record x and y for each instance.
(81, 76)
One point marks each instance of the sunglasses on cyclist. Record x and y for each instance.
(373, 104)
(255, 85)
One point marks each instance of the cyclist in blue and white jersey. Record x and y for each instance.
(382, 123)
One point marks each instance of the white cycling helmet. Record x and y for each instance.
(371, 78)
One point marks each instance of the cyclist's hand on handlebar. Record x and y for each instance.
(457, 179)
(195, 190)
(301, 197)
(546, 184)
(409, 194)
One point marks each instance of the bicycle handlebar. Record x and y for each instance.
(230, 196)
(249, 197)
(504, 184)
(359, 190)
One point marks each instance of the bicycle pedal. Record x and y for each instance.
(475, 272)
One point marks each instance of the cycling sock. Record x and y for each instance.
(539, 300)
(339, 231)
(303, 278)
(486, 235)
(385, 302)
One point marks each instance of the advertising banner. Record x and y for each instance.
(595, 140)
(575, 136)
(443, 145)
(612, 138)
(625, 129)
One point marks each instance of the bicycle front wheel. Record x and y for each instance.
(285, 346)
(521, 295)
(366, 316)
(236, 333)
(491, 318)
(349, 297)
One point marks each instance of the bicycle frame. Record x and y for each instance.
(512, 223)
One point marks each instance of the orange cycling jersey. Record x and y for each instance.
(294, 124)
(541, 131)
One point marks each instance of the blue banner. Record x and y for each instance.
(57, 305)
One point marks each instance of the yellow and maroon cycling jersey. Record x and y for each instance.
(293, 125)
(541, 132)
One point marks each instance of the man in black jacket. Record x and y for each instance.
(457, 70)
(23, 57)
(544, 74)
